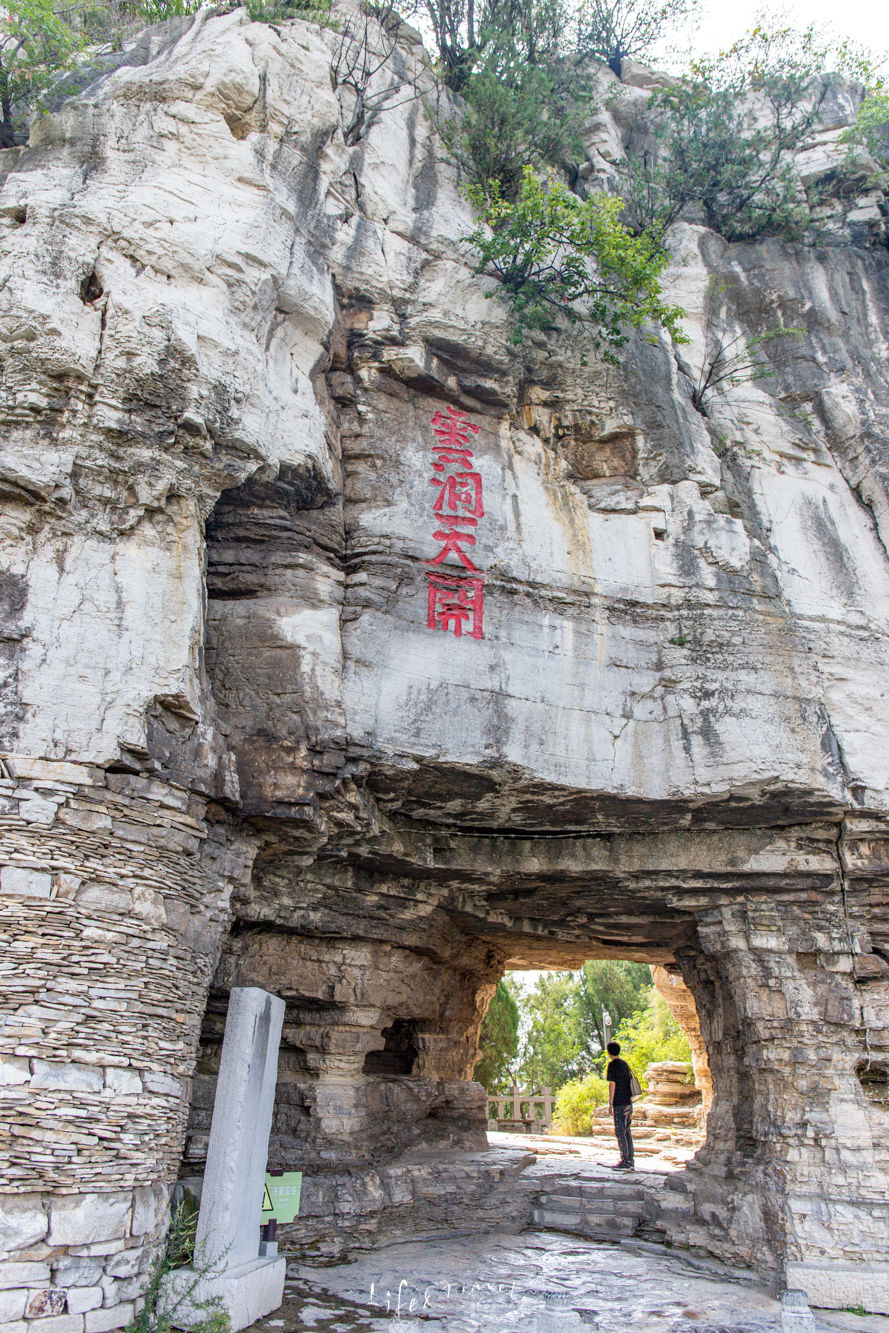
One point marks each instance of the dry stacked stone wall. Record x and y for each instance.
(115, 892)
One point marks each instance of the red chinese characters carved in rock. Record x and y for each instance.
(456, 601)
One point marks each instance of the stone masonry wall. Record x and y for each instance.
(115, 893)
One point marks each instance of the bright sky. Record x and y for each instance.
(865, 21)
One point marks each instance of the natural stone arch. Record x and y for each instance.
(384, 908)
(778, 1036)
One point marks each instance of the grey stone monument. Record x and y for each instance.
(796, 1317)
(229, 1267)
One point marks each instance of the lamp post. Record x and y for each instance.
(606, 1024)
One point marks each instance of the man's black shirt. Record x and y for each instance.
(618, 1073)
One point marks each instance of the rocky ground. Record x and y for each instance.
(534, 1281)
(665, 1153)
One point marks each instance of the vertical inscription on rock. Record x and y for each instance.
(455, 599)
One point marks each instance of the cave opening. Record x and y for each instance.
(398, 1055)
(544, 1068)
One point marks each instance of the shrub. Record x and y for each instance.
(617, 30)
(157, 1314)
(556, 254)
(157, 11)
(727, 137)
(871, 130)
(275, 11)
(576, 1103)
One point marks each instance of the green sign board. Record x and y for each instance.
(281, 1198)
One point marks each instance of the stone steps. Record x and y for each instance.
(599, 1226)
(597, 1206)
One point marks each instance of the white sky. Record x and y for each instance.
(865, 21)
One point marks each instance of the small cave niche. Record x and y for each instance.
(399, 1053)
(91, 288)
(873, 1075)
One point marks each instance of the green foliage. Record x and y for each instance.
(37, 44)
(620, 988)
(157, 1316)
(274, 11)
(462, 28)
(560, 1036)
(871, 129)
(525, 94)
(556, 254)
(576, 1102)
(156, 11)
(617, 30)
(499, 1040)
(727, 136)
(517, 114)
(552, 1043)
(522, 68)
(652, 1035)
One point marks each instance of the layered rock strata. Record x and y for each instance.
(672, 1098)
(237, 753)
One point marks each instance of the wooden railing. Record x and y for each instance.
(526, 1112)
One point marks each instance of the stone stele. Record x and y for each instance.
(236, 754)
(227, 1264)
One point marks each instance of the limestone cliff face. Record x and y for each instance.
(190, 247)
(224, 337)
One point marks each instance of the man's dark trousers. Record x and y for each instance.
(623, 1119)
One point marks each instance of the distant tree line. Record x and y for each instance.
(554, 1031)
(552, 1034)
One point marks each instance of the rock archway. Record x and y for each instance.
(387, 961)
(399, 873)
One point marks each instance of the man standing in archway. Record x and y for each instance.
(620, 1104)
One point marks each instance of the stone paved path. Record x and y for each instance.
(510, 1284)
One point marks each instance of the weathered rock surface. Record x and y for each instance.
(672, 1098)
(236, 750)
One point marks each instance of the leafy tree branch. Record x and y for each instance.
(558, 255)
(617, 30)
(722, 145)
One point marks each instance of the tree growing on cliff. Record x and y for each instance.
(558, 255)
(37, 43)
(871, 129)
(524, 89)
(523, 73)
(721, 145)
(499, 1040)
(367, 46)
(617, 30)
(519, 112)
